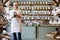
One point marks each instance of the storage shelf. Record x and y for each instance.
(36, 9)
(38, 14)
(35, 19)
(56, 25)
(35, 3)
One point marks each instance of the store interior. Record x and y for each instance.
(41, 20)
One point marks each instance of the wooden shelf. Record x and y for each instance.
(38, 14)
(35, 4)
(35, 19)
(37, 9)
(55, 25)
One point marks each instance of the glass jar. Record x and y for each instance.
(35, 2)
(38, 18)
(42, 18)
(21, 7)
(41, 2)
(48, 12)
(19, 2)
(26, 12)
(22, 2)
(38, 2)
(46, 2)
(43, 7)
(45, 17)
(50, 22)
(48, 18)
(24, 17)
(40, 7)
(28, 18)
(46, 8)
(30, 2)
(45, 13)
(27, 2)
(24, 8)
(32, 17)
(30, 8)
(37, 7)
(27, 7)
(49, 8)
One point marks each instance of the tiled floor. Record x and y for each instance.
(27, 39)
(35, 39)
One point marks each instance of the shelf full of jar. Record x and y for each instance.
(36, 18)
(49, 25)
(40, 23)
(38, 14)
(33, 23)
(36, 8)
(35, 3)
(52, 23)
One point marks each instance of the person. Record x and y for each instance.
(4, 2)
(16, 16)
(56, 2)
(55, 12)
(7, 9)
(2, 13)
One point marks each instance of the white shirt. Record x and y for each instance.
(7, 13)
(15, 25)
(15, 22)
(12, 12)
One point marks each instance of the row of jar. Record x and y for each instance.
(36, 17)
(35, 2)
(33, 23)
(39, 23)
(36, 13)
(35, 8)
(54, 22)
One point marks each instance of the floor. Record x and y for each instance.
(29, 32)
(27, 39)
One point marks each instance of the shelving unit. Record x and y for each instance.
(35, 14)
(35, 11)
(32, 6)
